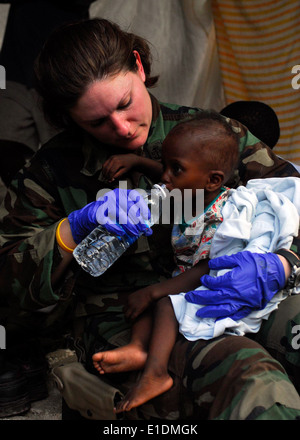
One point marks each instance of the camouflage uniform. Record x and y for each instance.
(229, 377)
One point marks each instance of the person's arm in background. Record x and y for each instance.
(32, 263)
(29, 253)
(257, 160)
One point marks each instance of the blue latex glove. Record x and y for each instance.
(120, 211)
(250, 285)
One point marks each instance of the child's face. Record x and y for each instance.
(183, 169)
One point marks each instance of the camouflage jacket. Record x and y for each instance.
(64, 175)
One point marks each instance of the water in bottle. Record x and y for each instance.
(100, 249)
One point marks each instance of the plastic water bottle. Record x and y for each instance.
(100, 249)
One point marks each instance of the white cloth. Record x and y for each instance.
(261, 217)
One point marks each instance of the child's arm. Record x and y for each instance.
(119, 164)
(186, 281)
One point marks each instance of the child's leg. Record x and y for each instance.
(131, 356)
(155, 379)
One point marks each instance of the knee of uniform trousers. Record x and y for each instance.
(233, 377)
(280, 334)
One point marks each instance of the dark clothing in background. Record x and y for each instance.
(28, 25)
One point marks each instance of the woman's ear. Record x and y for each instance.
(140, 68)
(215, 180)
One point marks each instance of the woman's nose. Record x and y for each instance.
(121, 125)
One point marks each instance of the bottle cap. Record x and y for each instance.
(162, 187)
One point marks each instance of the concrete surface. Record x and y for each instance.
(49, 408)
(46, 409)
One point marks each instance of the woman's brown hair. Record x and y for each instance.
(77, 54)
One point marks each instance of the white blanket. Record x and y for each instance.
(261, 217)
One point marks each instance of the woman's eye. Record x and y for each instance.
(125, 105)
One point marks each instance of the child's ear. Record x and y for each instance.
(215, 180)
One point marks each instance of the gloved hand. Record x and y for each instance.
(250, 285)
(120, 211)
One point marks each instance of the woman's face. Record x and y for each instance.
(116, 110)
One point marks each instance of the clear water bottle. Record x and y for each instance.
(100, 249)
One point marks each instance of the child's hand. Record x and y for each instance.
(118, 165)
(138, 302)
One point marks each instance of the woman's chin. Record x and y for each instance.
(134, 144)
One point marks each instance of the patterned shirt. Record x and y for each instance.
(191, 242)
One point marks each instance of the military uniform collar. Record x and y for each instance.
(155, 108)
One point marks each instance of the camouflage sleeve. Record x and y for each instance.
(28, 254)
(257, 160)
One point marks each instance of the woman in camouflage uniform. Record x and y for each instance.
(94, 80)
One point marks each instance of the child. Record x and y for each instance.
(200, 153)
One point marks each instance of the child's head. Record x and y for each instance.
(200, 153)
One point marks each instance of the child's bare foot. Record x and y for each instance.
(146, 389)
(127, 358)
